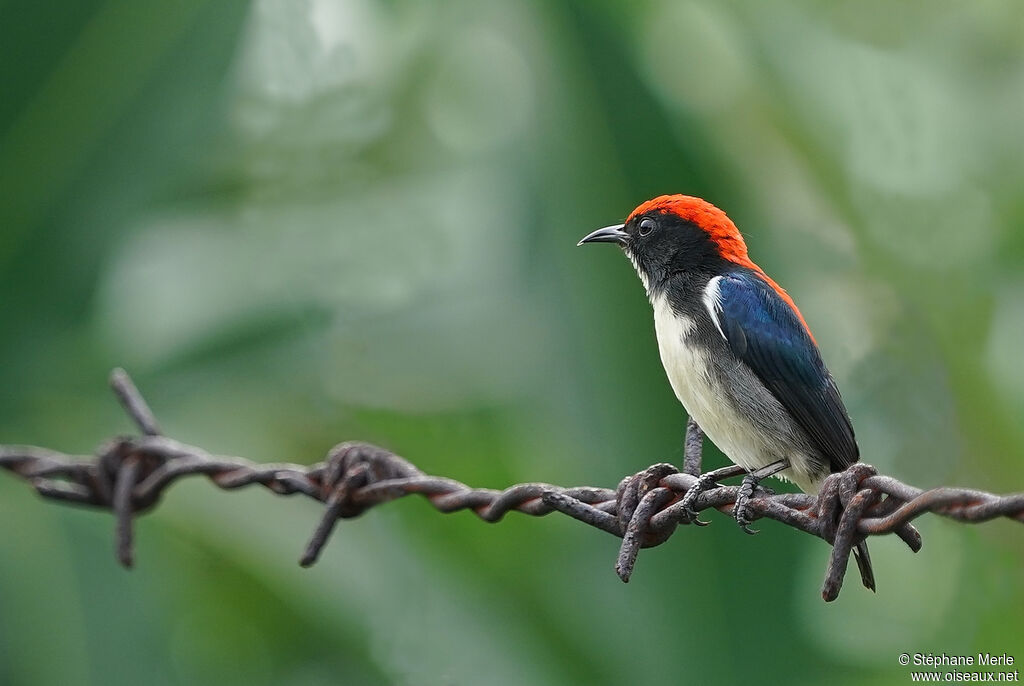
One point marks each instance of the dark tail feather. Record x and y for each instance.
(867, 575)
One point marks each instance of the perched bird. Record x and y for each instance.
(736, 349)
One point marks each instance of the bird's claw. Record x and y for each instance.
(751, 484)
(704, 482)
(739, 508)
(693, 517)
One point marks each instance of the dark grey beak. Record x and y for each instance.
(609, 234)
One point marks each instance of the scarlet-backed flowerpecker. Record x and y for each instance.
(736, 349)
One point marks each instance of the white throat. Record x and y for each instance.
(640, 273)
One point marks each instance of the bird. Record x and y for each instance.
(737, 351)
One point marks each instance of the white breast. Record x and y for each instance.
(701, 393)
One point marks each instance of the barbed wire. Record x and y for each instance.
(129, 474)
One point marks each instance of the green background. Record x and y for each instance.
(302, 221)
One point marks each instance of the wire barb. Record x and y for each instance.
(133, 402)
(129, 474)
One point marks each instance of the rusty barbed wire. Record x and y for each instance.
(129, 474)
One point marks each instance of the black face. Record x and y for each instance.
(662, 245)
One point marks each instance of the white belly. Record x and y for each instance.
(701, 393)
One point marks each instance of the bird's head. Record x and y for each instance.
(676, 233)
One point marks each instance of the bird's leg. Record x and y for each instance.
(747, 488)
(705, 482)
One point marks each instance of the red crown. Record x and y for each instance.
(720, 228)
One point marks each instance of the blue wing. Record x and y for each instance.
(768, 335)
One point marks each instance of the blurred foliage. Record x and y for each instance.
(301, 221)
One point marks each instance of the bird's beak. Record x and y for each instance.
(609, 234)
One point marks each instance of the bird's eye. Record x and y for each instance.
(646, 226)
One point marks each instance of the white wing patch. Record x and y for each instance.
(713, 300)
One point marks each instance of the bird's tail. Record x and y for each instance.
(863, 558)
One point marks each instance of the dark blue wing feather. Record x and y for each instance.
(768, 335)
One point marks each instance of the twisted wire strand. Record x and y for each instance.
(128, 475)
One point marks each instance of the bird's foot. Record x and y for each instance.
(739, 508)
(749, 486)
(705, 482)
